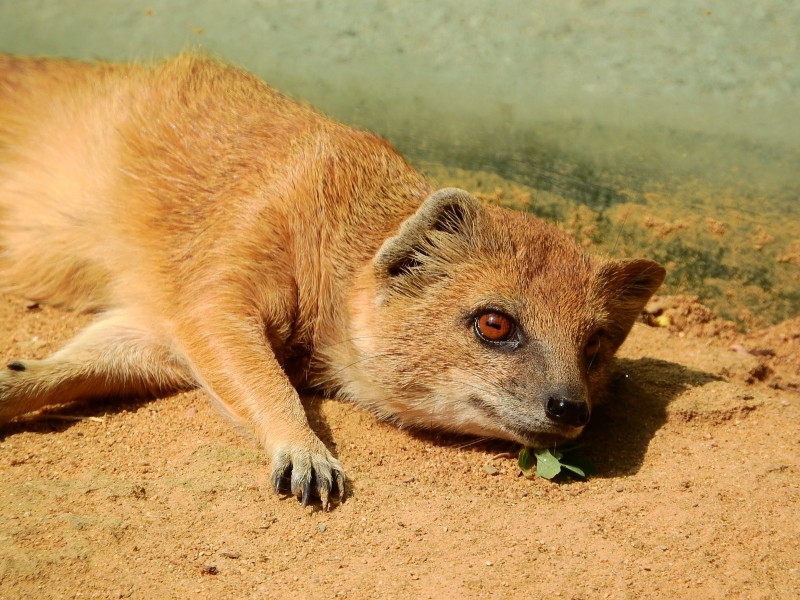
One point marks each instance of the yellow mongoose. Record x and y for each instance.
(232, 239)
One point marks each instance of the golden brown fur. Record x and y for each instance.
(233, 239)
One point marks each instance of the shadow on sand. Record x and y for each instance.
(59, 418)
(622, 427)
(617, 438)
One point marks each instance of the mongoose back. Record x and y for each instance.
(231, 239)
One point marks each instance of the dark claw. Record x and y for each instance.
(319, 480)
(280, 480)
(16, 365)
(340, 485)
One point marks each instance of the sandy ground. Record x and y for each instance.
(697, 495)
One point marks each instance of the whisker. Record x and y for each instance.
(591, 362)
(355, 362)
(364, 337)
(619, 231)
(486, 390)
(472, 442)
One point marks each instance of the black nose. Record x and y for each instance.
(567, 412)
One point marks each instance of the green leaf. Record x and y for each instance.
(577, 470)
(526, 462)
(547, 465)
(579, 461)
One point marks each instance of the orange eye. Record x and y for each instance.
(494, 327)
(592, 346)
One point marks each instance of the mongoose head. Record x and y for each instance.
(486, 321)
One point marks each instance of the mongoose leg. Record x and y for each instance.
(112, 357)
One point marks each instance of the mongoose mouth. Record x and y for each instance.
(546, 440)
(533, 432)
(540, 435)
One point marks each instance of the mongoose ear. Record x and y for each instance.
(448, 211)
(627, 285)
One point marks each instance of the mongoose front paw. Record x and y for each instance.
(307, 470)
